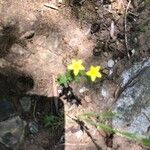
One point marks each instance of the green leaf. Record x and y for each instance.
(82, 73)
(77, 79)
(62, 79)
(65, 78)
(88, 118)
(69, 75)
(109, 114)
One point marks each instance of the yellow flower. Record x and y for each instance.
(76, 66)
(94, 72)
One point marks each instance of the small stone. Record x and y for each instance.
(60, 1)
(25, 103)
(133, 51)
(110, 72)
(88, 99)
(96, 8)
(104, 92)
(136, 40)
(110, 63)
(59, 89)
(79, 134)
(83, 89)
(106, 71)
(33, 127)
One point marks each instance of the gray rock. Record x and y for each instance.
(12, 132)
(25, 103)
(134, 101)
(133, 71)
(6, 110)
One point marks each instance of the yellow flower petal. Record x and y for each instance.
(73, 61)
(75, 72)
(82, 68)
(93, 72)
(99, 75)
(93, 78)
(76, 66)
(69, 67)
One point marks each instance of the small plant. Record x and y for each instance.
(53, 122)
(99, 119)
(76, 70)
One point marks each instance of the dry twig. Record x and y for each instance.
(34, 116)
(125, 28)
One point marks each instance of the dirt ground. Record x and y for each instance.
(40, 41)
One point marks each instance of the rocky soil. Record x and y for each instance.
(39, 38)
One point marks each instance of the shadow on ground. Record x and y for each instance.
(8, 36)
(46, 112)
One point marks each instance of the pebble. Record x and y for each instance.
(104, 92)
(33, 127)
(88, 99)
(110, 72)
(106, 71)
(83, 89)
(60, 1)
(79, 134)
(133, 51)
(59, 89)
(96, 8)
(110, 63)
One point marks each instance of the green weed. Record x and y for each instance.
(53, 122)
(91, 118)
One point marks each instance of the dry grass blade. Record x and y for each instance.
(125, 28)
(112, 30)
